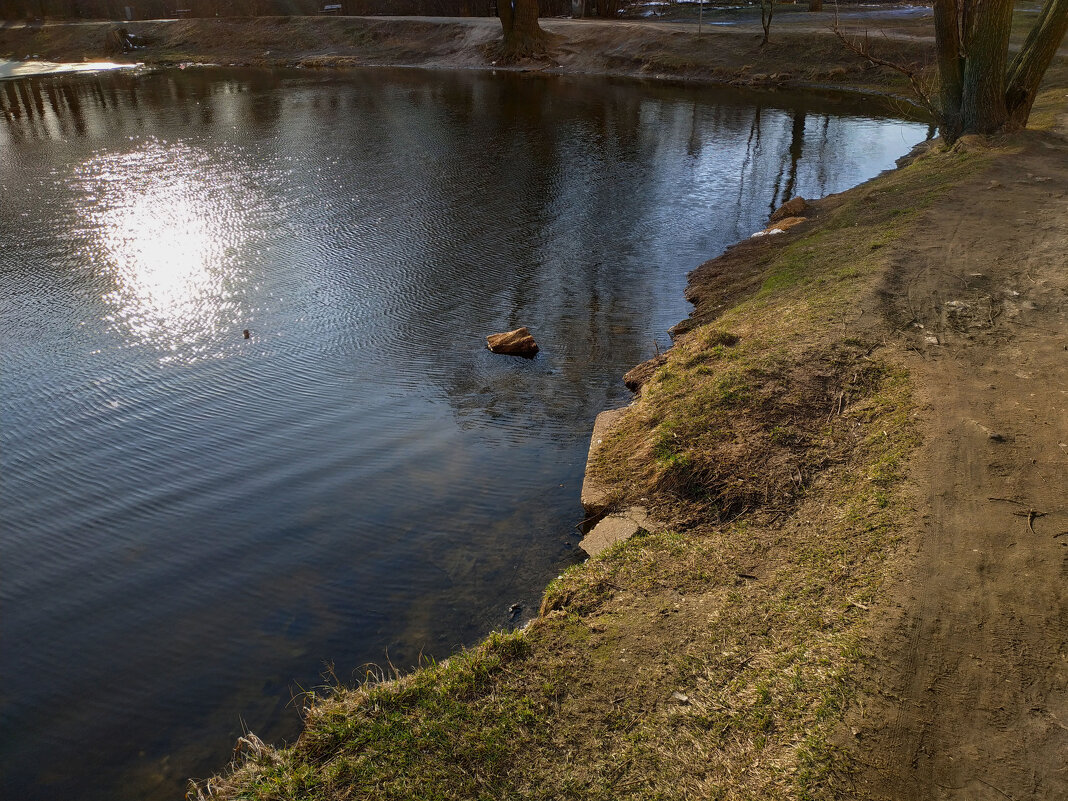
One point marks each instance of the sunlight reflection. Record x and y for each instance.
(168, 227)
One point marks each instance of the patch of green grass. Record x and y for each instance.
(445, 725)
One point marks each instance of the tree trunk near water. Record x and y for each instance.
(950, 66)
(523, 36)
(982, 102)
(981, 91)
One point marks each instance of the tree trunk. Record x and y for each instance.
(950, 66)
(1031, 63)
(523, 36)
(815, 5)
(983, 108)
(767, 10)
(504, 11)
(980, 92)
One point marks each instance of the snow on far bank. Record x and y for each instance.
(23, 69)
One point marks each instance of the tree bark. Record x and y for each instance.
(1034, 58)
(523, 36)
(983, 107)
(950, 65)
(504, 12)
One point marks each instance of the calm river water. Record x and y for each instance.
(195, 524)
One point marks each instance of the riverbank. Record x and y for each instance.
(855, 450)
(802, 53)
(848, 450)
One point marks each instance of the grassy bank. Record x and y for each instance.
(713, 656)
(717, 655)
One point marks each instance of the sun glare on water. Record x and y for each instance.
(167, 228)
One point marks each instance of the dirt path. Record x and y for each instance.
(974, 666)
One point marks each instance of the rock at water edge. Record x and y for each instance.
(785, 224)
(616, 528)
(794, 207)
(595, 495)
(636, 377)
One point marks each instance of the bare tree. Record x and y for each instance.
(767, 10)
(980, 89)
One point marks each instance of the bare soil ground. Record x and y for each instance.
(971, 668)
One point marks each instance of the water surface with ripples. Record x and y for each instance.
(193, 523)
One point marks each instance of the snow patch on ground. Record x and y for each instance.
(24, 69)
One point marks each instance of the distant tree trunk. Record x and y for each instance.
(523, 36)
(606, 8)
(767, 10)
(815, 5)
(981, 91)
